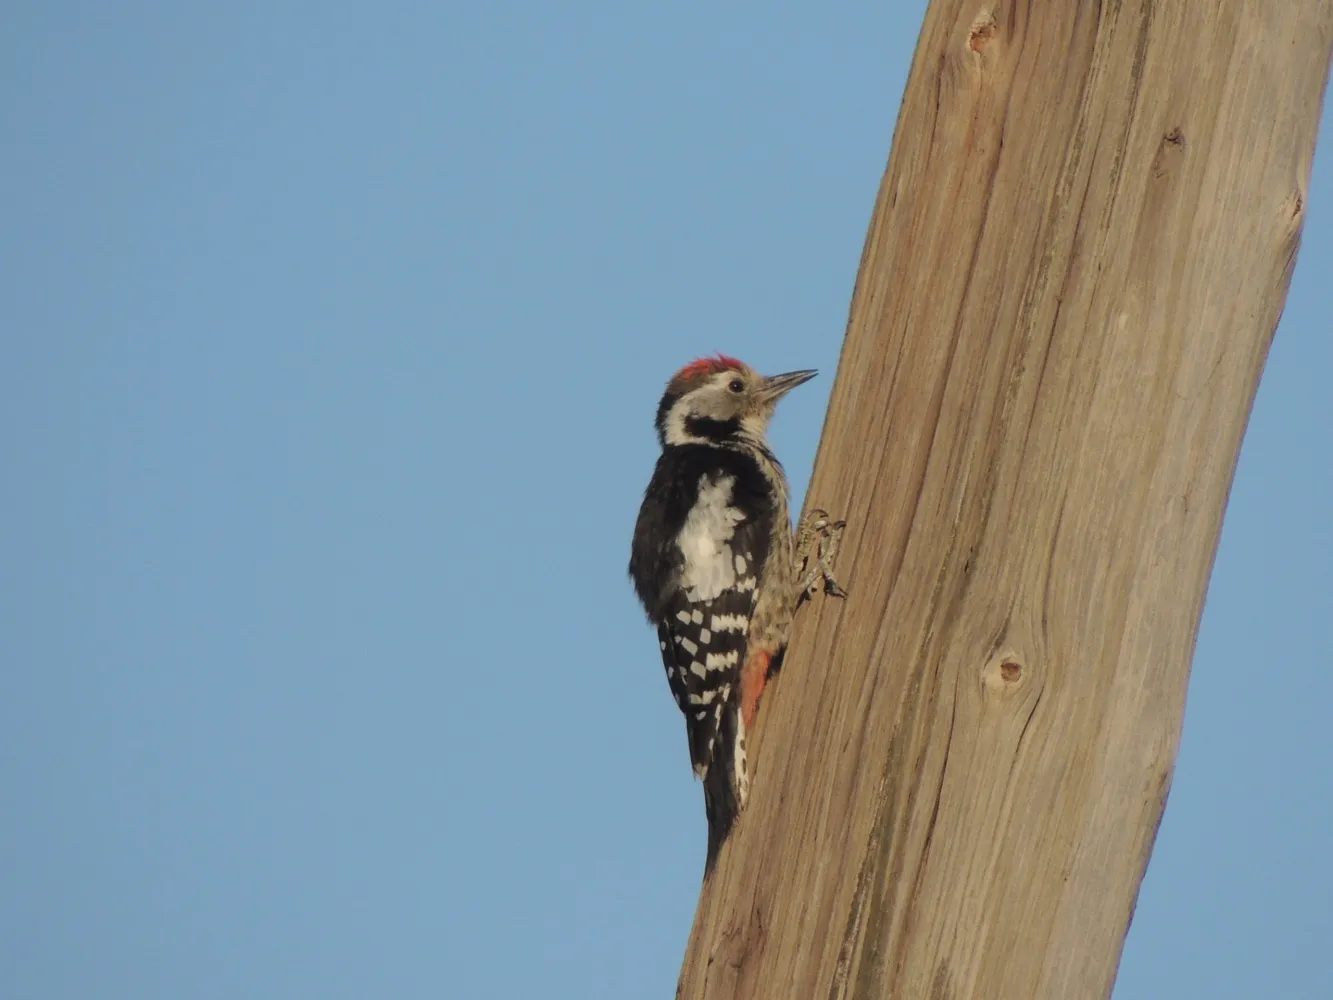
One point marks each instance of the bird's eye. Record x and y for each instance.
(736, 385)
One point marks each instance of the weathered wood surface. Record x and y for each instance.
(1076, 262)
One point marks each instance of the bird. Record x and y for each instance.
(717, 567)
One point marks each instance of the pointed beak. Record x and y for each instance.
(777, 386)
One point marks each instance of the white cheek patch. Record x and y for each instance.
(674, 431)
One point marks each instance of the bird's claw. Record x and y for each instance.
(817, 541)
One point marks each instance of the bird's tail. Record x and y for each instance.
(726, 782)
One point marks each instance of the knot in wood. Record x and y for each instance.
(982, 30)
(1003, 674)
(1169, 152)
(1296, 207)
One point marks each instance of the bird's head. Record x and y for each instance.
(718, 399)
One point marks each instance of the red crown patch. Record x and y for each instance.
(708, 366)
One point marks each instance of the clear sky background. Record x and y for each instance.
(330, 338)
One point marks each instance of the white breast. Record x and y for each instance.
(705, 541)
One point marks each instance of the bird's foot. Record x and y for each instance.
(817, 541)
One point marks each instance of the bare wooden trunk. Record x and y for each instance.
(1076, 262)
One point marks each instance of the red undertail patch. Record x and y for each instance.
(754, 678)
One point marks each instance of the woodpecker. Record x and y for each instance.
(717, 568)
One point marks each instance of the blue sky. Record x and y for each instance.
(329, 343)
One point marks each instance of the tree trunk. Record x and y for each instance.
(1076, 262)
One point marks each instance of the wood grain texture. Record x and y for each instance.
(1077, 258)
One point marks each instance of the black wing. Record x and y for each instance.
(703, 647)
(702, 642)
